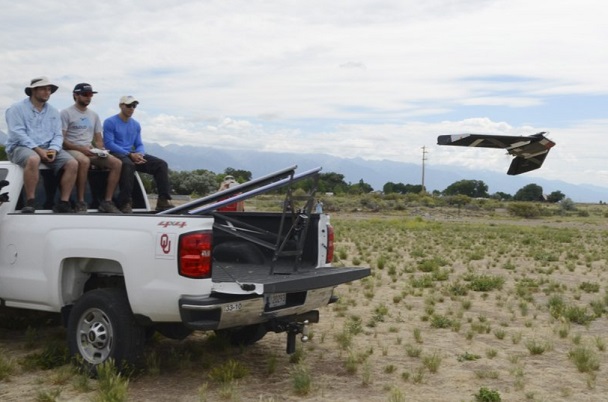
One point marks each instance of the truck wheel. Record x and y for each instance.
(247, 335)
(101, 326)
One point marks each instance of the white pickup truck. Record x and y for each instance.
(117, 278)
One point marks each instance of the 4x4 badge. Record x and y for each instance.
(179, 224)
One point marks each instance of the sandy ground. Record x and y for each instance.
(471, 355)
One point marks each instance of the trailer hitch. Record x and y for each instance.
(294, 329)
(294, 325)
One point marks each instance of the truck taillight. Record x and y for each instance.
(330, 244)
(195, 255)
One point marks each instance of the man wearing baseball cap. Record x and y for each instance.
(81, 130)
(34, 137)
(122, 136)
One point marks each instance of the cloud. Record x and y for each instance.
(353, 64)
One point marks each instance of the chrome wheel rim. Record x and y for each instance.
(95, 336)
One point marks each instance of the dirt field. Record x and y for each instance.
(459, 308)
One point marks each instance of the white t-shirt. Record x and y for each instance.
(80, 126)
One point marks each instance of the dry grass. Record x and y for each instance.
(458, 308)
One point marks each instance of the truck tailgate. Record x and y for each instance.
(237, 278)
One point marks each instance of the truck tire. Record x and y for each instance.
(101, 326)
(247, 335)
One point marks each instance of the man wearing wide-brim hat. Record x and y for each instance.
(35, 137)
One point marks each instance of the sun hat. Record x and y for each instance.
(127, 100)
(40, 82)
(83, 87)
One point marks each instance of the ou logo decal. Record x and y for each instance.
(165, 243)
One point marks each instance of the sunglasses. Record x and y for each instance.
(87, 94)
(131, 106)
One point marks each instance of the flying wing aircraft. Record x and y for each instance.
(529, 151)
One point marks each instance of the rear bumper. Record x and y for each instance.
(221, 312)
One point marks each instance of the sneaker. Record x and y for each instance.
(30, 207)
(81, 207)
(62, 207)
(163, 203)
(126, 208)
(108, 207)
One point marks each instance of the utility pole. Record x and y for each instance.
(423, 159)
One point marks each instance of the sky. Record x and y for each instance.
(375, 79)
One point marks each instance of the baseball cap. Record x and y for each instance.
(127, 100)
(83, 87)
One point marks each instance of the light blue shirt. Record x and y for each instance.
(31, 128)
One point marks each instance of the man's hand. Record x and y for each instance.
(46, 155)
(137, 158)
(87, 150)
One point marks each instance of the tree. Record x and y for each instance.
(389, 188)
(332, 182)
(556, 196)
(500, 196)
(199, 182)
(471, 188)
(401, 188)
(328, 183)
(239, 175)
(360, 188)
(530, 192)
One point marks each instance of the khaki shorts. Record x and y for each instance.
(20, 155)
(97, 161)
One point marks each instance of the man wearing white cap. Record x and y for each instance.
(122, 136)
(34, 137)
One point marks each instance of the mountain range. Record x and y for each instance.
(374, 172)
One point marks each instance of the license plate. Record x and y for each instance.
(276, 300)
(232, 307)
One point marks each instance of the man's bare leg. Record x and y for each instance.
(70, 171)
(31, 175)
(84, 163)
(115, 165)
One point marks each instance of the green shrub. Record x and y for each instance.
(487, 395)
(54, 354)
(228, 371)
(578, 315)
(585, 359)
(485, 283)
(7, 367)
(466, 356)
(112, 386)
(524, 209)
(302, 380)
(439, 321)
(589, 287)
